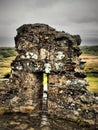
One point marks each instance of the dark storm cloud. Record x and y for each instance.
(90, 40)
(5, 41)
(73, 16)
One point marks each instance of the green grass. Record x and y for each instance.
(93, 83)
(7, 52)
(92, 50)
(5, 65)
(90, 54)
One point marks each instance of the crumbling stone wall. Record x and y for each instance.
(42, 49)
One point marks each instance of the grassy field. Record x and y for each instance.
(6, 57)
(91, 50)
(93, 83)
(91, 63)
(90, 54)
(91, 68)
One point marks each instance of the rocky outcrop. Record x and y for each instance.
(42, 49)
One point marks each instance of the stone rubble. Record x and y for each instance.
(21, 121)
(42, 49)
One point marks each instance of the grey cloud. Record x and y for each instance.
(90, 38)
(73, 16)
(84, 11)
(6, 41)
(90, 41)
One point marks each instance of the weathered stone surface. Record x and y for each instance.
(42, 49)
(26, 109)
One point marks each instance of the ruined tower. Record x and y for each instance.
(42, 49)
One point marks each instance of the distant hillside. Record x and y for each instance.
(7, 52)
(93, 50)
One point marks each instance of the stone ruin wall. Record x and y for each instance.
(43, 49)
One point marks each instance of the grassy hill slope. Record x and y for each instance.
(90, 54)
(6, 56)
(90, 50)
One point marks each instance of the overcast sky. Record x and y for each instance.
(72, 16)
